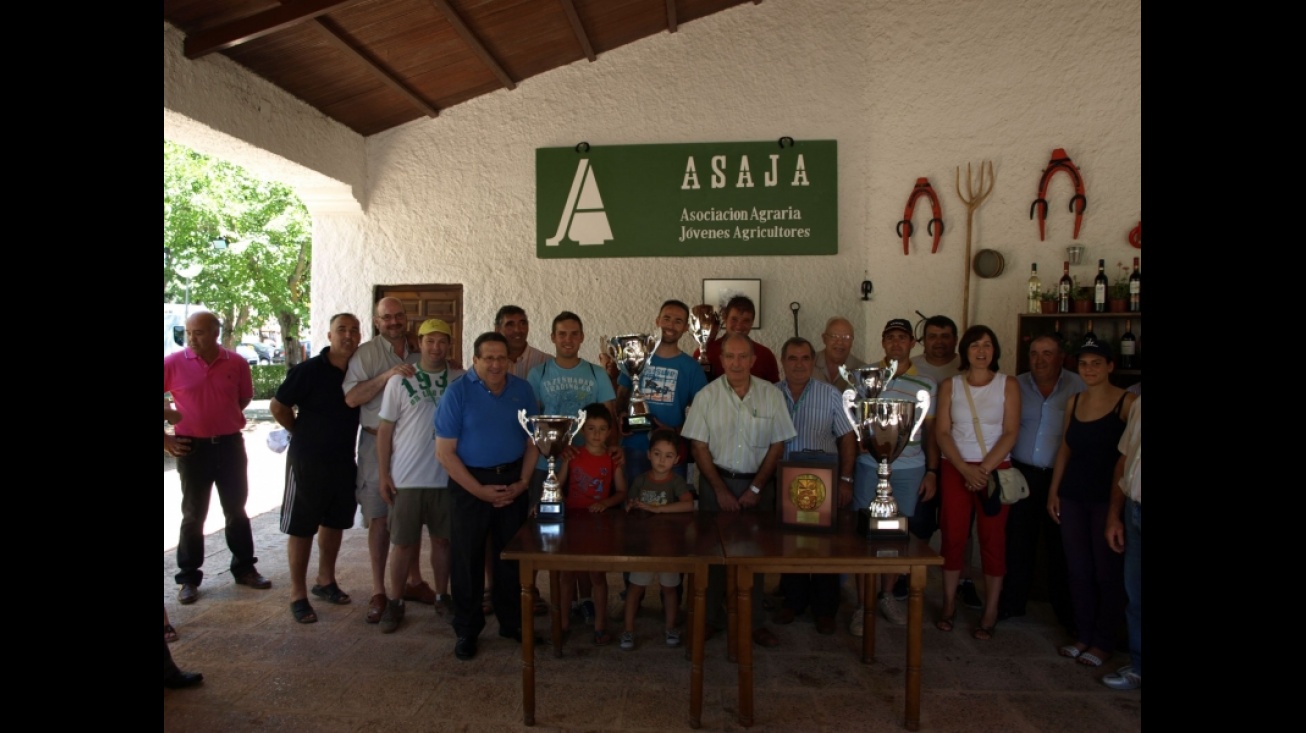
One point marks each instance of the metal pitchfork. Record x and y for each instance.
(972, 199)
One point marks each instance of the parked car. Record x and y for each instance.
(248, 353)
(264, 352)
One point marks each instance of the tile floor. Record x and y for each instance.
(262, 671)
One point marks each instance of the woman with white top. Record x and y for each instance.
(980, 406)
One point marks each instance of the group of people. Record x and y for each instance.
(442, 449)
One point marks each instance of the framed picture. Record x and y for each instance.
(719, 292)
(808, 495)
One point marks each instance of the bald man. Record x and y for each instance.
(210, 386)
(372, 365)
(838, 340)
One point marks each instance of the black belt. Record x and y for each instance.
(213, 440)
(502, 468)
(1029, 466)
(726, 473)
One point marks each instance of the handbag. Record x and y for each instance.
(1008, 483)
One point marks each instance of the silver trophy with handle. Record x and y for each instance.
(551, 435)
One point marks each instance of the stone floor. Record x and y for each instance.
(262, 671)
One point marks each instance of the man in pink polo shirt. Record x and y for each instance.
(210, 386)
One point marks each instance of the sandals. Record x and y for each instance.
(1089, 659)
(1070, 651)
(331, 593)
(984, 633)
(945, 623)
(375, 607)
(302, 610)
(602, 637)
(169, 633)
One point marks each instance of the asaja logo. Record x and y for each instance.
(583, 220)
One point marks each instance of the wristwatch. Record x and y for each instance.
(849, 479)
(754, 489)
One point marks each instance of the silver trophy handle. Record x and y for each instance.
(521, 418)
(843, 372)
(923, 407)
(850, 407)
(580, 422)
(893, 374)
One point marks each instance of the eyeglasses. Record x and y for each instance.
(839, 337)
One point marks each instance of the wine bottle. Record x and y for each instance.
(1135, 289)
(1064, 288)
(1128, 348)
(1089, 333)
(1099, 288)
(1035, 291)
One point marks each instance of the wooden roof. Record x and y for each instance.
(376, 64)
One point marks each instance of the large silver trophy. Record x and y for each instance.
(702, 319)
(551, 435)
(885, 427)
(631, 354)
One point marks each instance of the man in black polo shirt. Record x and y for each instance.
(320, 466)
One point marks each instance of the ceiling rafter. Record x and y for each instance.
(569, 8)
(229, 35)
(474, 43)
(335, 36)
(671, 16)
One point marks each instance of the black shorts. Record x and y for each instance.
(317, 493)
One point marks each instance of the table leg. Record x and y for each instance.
(870, 582)
(527, 642)
(915, 609)
(555, 603)
(744, 625)
(732, 616)
(697, 614)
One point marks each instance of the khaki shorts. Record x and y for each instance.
(416, 507)
(666, 580)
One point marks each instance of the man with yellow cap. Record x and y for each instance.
(412, 481)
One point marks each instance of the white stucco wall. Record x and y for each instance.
(907, 89)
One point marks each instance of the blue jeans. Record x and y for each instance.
(1134, 581)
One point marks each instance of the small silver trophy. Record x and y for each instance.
(702, 319)
(551, 435)
(885, 427)
(631, 354)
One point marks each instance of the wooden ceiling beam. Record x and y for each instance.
(228, 35)
(335, 37)
(569, 8)
(474, 43)
(671, 16)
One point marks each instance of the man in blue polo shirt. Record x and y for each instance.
(490, 460)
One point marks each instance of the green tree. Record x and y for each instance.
(252, 237)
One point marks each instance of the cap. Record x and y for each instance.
(1093, 346)
(435, 325)
(898, 324)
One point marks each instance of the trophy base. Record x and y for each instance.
(881, 528)
(549, 512)
(637, 423)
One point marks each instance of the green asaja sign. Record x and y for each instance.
(687, 200)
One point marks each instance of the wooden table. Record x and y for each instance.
(615, 541)
(758, 543)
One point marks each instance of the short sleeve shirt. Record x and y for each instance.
(326, 428)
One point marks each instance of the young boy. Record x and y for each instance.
(659, 491)
(592, 482)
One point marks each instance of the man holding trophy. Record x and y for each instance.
(479, 441)
(914, 473)
(670, 379)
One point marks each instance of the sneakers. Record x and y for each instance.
(1123, 679)
(856, 626)
(672, 637)
(969, 596)
(443, 605)
(627, 641)
(587, 610)
(900, 588)
(391, 616)
(890, 609)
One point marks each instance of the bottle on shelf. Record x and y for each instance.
(1064, 288)
(1088, 334)
(1035, 291)
(1135, 289)
(1128, 348)
(1099, 288)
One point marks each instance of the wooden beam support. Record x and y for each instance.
(335, 37)
(572, 17)
(269, 21)
(473, 42)
(671, 16)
